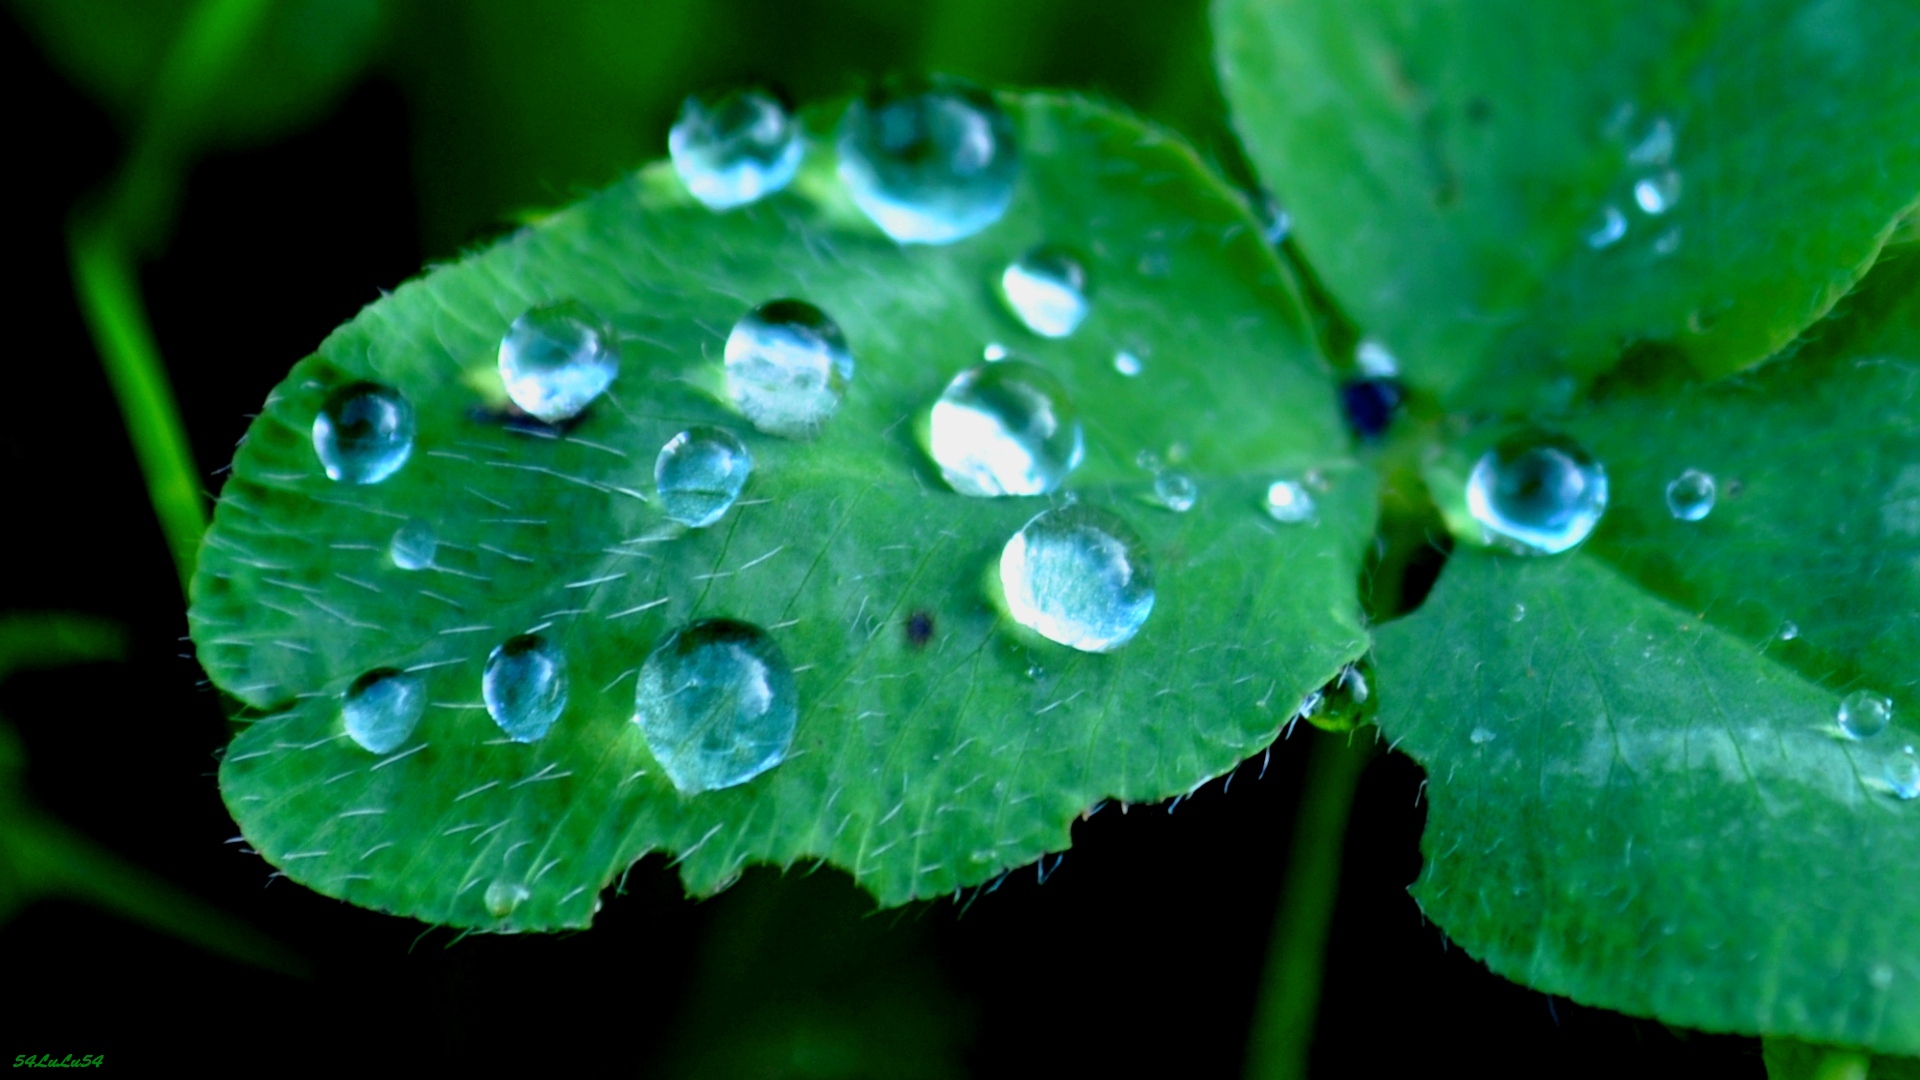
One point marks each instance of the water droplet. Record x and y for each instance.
(1902, 773)
(1148, 460)
(1656, 194)
(788, 366)
(363, 433)
(929, 167)
(1127, 364)
(1276, 224)
(717, 704)
(1667, 242)
(1607, 229)
(555, 360)
(413, 546)
(735, 148)
(503, 896)
(382, 708)
(1289, 503)
(1789, 630)
(1079, 576)
(1175, 490)
(1537, 494)
(994, 352)
(1656, 148)
(525, 687)
(699, 474)
(1004, 429)
(1864, 714)
(1374, 360)
(1690, 495)
(1047, 289)
(1481, 736)
(1519, 613)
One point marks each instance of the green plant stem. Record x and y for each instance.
(1838, 1064)
(1289, 1000)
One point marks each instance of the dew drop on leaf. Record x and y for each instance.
(363, 433)
(699, 474)
(1902, 773)
(735, 148)
(1656, 147)
(525, 687)
(1691, 495)
(1481, 736)
(1289, 502)
(555, 359)
(382, 708)
(929, 167)
(1374, 360)
(413, 546)
(1789, 630)
(1518, 614)
(1607, 227)
(1537, 494)
(993, 352)
(788, 367)
(1004, 429)
(1658, 193)
(1127, 364)
(1079, 576)
(503, 896)
(1175, 490)
(1047, 290)
(1864, 714)
(717, 704)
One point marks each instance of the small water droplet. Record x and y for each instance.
(503, 896)
(788, 367)
(381, 709)
(699, 474)
(1518, 614)
(1079, 576)
(1607, 228)
(1902, 773)
(717, 704)
(1789, 630)
(1667, 242)
(1656, 147)
(1276, 224)
(1690, 496)
(1537, 494)
(525, 687)
(1658, 193)
(363, 433)
(413, 546)
(1127, 364)
(929, 167)
(1004, 429)
(994, 352)
(1864, 714)
(1374, 360)
(1047, 290)
(1175, 490)
(1481, 736)
(555, 360)
(1288, 502)
(1148, 460)
(735, 148)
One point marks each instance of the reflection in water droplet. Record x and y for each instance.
(1047, 289)
(1607, 229)
(503, 896)
(382, 708)
(1656, 194)
(1374, 360)
(1690, 496)
(717, 704)
(929, 167)
(1127, 364)
(1481, 736)
(734, 149)
(1537, 494)
(1902, 773)
(556, 359)
(363, 433)
(1789, 630)
(1864, 714)
(413, 546)
(1004, 429)
(1079, 576)
(699, 474)
(994, 351)
(1519, 613)
(1276, 224)
(1289, 503)
(788, 366)
(525, 687)
(1656, 148)
(1175, 490)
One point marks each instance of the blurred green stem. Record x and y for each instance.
(1837, 1064)
(1283, 1018)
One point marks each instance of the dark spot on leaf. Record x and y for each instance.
(1479, 110)
(919, 629)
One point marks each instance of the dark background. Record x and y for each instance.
(1140, 954)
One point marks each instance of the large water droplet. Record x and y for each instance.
(503, 896)
(1004, 429)
(735, 148)
(1289, 502)
(1690, 496)
(556, 359)
(1079, 576)
(1902, 773)
(1607, 228)
(525, 687)
(363, 433)
(717, 704)
(413, 546)
(930, 167)
(1175, 490)
(382, 708)
(1658, 193)
(788, 366)
(699, 474)
(1047, 289)
(1537, 494)
(1864, 714)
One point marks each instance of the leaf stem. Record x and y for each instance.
(1283, 1019)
